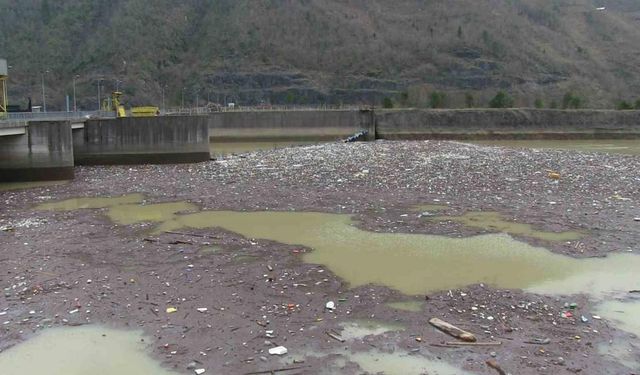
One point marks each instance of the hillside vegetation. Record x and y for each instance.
(324, 51)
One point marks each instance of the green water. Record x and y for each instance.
(90, 202)
(81, 351)
(495, 222)
(126, 214)
(417, 263)
(616, 146)
(411, 306)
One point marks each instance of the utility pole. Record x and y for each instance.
(44, 95)
(75, 103)
(99, 102)
(182, 102)
(163, 107)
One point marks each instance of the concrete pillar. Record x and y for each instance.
(43, 152)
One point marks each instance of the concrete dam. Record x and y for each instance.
(49, 150)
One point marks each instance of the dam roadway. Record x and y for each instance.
(49, 149)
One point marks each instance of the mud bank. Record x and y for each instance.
(78, 267)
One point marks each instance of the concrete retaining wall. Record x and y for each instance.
(506, 124)
(293, 125)
(43, 152)
(142, 140)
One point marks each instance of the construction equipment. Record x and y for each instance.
(148, 111)
(114, 104)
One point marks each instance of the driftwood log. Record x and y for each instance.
(452, 330)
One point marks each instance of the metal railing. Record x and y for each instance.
(23, 117)
(35, 116)
(256, 108)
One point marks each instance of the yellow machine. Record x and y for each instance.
(148, 111)
(115, 105)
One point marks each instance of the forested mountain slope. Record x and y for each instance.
(323, 51)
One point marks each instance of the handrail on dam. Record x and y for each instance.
(14, 119)
(21, 118)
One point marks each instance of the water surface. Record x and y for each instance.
(81, 351)
(90, 202)
(418, 263)
(616, 146)
(496, 222)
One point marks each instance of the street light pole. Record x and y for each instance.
(99, 102)
(75, 103)
(163, 107)
(44, 95)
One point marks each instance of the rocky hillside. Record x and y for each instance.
(323, 51)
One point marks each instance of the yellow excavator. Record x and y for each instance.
(115, 105)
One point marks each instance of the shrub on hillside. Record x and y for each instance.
(501, 100)
(538, 103)
(438, 99)
(469, 100)
(572, 101)
(624, 105)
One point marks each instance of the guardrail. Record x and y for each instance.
(259, 108)
(22, 117)
(35, 116)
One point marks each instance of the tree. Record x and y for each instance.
(501, 100)
(469, 100)
(387, 103)
(623, 105)
(45, 10)
(637, 106)
(571, 101)
(539, 103)
(438, 99)
(460, 32)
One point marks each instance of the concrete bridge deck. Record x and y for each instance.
(175, 139)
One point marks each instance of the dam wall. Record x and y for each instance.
(492, 124)
(142, 140)
(311, 125)
(38, 150)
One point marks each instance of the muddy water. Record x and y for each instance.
(617, 146)
(416, 263)
(376, 362)
(130, 213)
(624, 314)
(495, 222)
(228, 148)
(90, 202)
(80, 351)
(411, 306)
(6, 186)
(360, 328)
